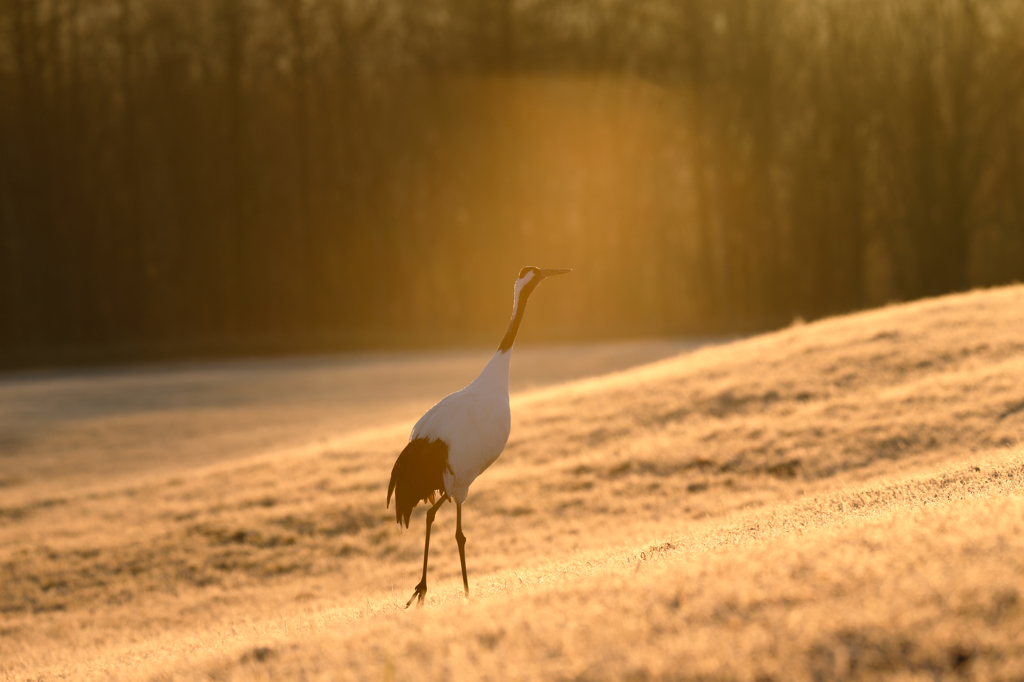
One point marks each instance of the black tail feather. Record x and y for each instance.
(418, 475)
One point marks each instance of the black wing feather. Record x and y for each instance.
(418, 474)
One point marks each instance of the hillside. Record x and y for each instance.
(834, 500)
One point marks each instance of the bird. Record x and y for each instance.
(459, 437)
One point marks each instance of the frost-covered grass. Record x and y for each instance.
(840, 499)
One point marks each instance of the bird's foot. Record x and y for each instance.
(418, 595)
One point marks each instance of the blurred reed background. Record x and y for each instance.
(195, 177)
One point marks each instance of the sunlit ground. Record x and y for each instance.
(837, 500)
(73, 426)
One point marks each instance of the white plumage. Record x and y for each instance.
(475, 423)
(459, 437)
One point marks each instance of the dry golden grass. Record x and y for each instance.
(835, 500)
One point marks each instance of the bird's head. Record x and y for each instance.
(542, 272)
(530, 277)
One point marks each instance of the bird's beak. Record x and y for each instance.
(554, 271)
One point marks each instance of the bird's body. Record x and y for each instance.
(475, 423)
(459, 437)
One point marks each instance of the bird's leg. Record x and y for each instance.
(421, 589)
(461, 539)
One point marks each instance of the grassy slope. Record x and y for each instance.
(834, 499)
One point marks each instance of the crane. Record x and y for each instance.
(459, 437)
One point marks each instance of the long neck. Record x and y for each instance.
(513, 329)
(494, 377)
(518, 310)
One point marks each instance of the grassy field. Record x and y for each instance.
(837, 500)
